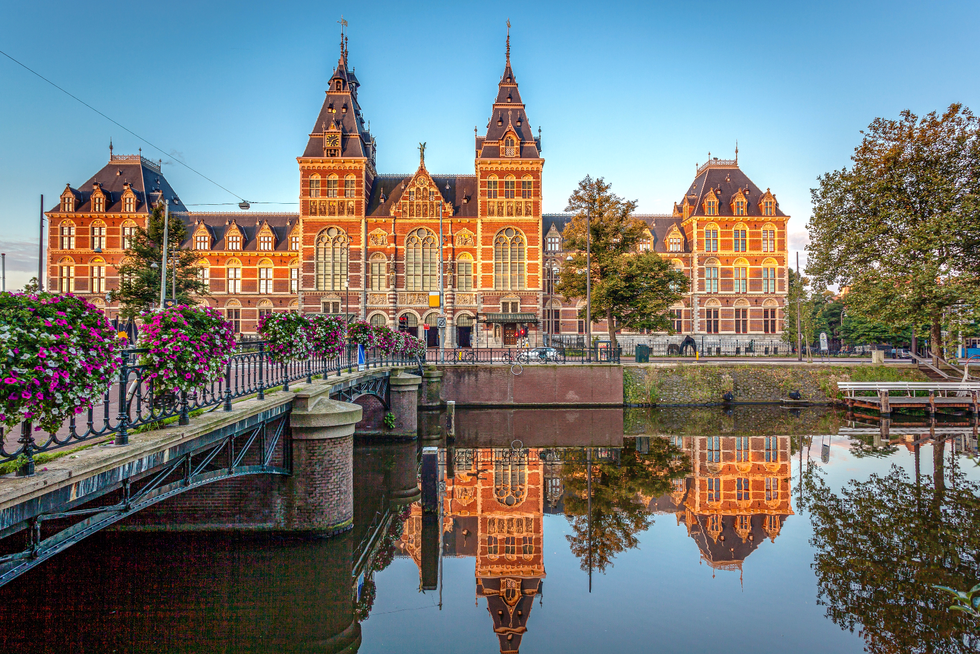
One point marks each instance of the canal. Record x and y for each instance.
(751, 529)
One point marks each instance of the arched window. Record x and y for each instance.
(740, 276)
(510, 184)
(421, 261)
(711, 316)
(314, 185)
(294, 276)
(350, 185)
(265, 309)
(67, 232)
(509, 249)
(411, 322)
(98, 235)
(509, 476)
(464, 272)
(711, 276)
(331, 259)
(740, 238)
(711, 238)
(379, 320)
(492, 187)
(768, 238)
(527, 187)
(769, 275)
(332, 186)
(97, 269)
(128, 232)
(378, 280)
(204, 273)
(233, 271)
(66, 275)
(265, 276)
(741, 316)
(233, 314)
(770, 309)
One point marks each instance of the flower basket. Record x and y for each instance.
(384, 340)
(326, 333)
(413, 347)
(187, 347)
(360, 333)
(287, 336)
(57, 357)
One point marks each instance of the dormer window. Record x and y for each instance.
(68, 203)
(510, 147)
(265, 242)
(294, 243)
(739, 207)
(202, 241)
(768, 208)
(711, 207)
(129, 204)
(234, 241)
(675, 242)
(98, 204)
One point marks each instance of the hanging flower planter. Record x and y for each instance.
(58, 354)
(287, 336)
(187, 347)
(384, 340)
(326, 333)
(360, 333)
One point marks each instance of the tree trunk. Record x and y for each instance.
(611, 328)
(936, 339)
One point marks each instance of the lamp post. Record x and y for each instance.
(442, 299)
(166, 236)
(588, 283)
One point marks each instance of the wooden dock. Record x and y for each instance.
(931, 396)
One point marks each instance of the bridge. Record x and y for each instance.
(302, 437)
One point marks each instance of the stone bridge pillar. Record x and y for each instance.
(320, 493)
(431, 388)
(402, 479)
(404, 392)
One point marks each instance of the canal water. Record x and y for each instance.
(756, 529)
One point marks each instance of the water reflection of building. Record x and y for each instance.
(737, 495)
(492, 510)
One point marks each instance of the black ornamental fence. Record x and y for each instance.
(599, 353)
(133, 403)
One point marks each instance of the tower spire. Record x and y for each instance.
(508, 42)
(343, 39)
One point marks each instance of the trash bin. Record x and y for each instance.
(642, 354)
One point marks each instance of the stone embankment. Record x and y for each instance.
(699, 384)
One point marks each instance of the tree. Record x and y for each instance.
(139, 287)
(630, 288)
(900, 228)
(617, 514)
(881, 547)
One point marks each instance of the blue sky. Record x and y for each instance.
(638, 93)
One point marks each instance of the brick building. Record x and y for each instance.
(727, 235)
(366, 243)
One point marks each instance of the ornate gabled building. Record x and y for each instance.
(727, 235)
(370, 244)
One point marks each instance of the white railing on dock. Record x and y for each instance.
(942, 389)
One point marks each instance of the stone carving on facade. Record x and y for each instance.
(377, 299)
(378, 238)
(464, 238)
(466, 299)
(414, 299)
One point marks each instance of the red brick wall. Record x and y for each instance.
(539, 385)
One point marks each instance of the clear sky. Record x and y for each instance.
(638, 93)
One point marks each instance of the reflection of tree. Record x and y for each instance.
(880, 546)
(618, 514)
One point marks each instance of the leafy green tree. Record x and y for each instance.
(139, 288)
(617, 514)
(883, 545)
(630, 288)
(900, 227)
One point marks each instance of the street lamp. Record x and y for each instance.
(588, 282)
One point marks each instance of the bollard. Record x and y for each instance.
(451, 418)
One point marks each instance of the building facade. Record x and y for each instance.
(369, 244)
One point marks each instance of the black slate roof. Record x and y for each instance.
(356, 141)
(144, 177)
(460, 188)
(659, 226)
(726, 178)
(219, 224)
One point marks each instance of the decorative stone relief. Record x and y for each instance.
(378, 238)
(464, 238)
(414, 299)
(377, 299)
(466, 299)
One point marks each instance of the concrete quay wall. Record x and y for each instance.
(686, 384)
(528, 385)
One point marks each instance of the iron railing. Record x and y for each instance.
(523, 356)
(132, 401)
